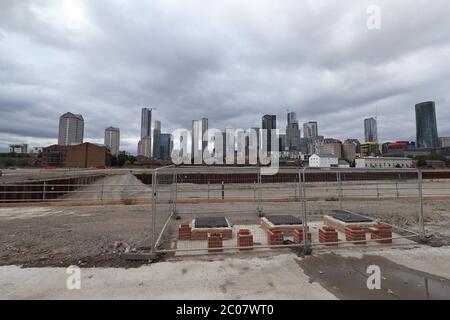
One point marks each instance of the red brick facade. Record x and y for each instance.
(215, 242)
(355, 233)
(381, 231)
(328, 236)
(245, 239)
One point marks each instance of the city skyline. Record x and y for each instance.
(151, 131)
(338, 87)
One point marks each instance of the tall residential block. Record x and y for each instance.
(156, 135)
(310, 130)
(145, 147)
(150, 135)
(146, 122)
(165, 146)
(426, 126)
(293, 133)
(269, 122)
(198, 145)
(332, 148)
(370, 130)
(71, 129)
(112, 140)
(444, 142)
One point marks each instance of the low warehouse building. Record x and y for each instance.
(384, 162)
(323, 160)
(85, 155)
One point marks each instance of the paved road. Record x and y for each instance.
(115, 187)
(416, 273)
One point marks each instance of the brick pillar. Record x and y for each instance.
(275, 237)
(245, 239)
(381, 231)
(355, 233)
(215, 242)
(328, 235)
(298, 235)
(184, 231)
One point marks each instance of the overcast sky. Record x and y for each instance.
(231, 61)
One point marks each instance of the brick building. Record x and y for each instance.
(85, 155)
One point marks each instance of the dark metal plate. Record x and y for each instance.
(211, 222)
(348, 217)
(284, 220)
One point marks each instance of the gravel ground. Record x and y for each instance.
(96, 235)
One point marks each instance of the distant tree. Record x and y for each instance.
(421, 163)
(114, 161)
(124, 160)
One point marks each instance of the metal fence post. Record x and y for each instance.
(305, 214)
(175, 196)
(421, 214)
(396, 188)
(338, 178)
(101, 197)
(208, 190)
(259, 209)
(154, 196)
(44, 191)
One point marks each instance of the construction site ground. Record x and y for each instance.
(39, 242)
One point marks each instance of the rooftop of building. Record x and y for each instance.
(72, 115)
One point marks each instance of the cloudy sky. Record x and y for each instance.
(229, 60)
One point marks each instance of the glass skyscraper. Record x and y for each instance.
(370, 130)
(269, 122)
(426, 126)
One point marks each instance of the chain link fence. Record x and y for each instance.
(198, 210)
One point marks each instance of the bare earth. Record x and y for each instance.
(37, 243)
(94, 236)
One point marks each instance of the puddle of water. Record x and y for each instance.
(346, 278)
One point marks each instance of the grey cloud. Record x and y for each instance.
(230, 61)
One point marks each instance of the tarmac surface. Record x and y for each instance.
(278, 276)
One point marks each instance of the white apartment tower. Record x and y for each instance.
(71, 129)
(112, 140)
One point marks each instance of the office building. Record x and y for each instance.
(198, 146)
(156, 136)
(165, 146)
(150, 143)
(426, 126)
(370, 149)
(18, 148)
(269, 123)
(349, 152)
(146, 122)
(145, 147)
(293, 133)
(71, 129)
(444, 142)
(356, 143)
(383, 163)
(323, 160)
(112, 140)
(282, 143)
(310, 130)
(370, 130)
(85, 155)
(220, 137)
(334, 148)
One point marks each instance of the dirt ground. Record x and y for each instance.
(95, 236)
(83, 236)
